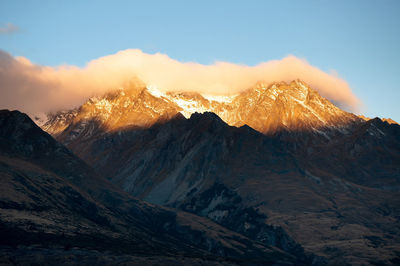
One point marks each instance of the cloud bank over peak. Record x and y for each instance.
(38, 89)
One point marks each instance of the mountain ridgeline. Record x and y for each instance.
(267, 109)
(277, 165)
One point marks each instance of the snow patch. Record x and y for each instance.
(310, 109)
(104, 104)
(219, 98)
(189, 107)
(155, 91)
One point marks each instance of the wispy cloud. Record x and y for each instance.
(8, 29)
(33, 88)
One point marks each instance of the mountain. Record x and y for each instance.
(388, 120)
(54, 208)
(267, 109)
(279, 164)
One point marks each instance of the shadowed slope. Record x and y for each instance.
(51, 198)
(251, 183)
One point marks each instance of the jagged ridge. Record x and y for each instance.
(267, 109)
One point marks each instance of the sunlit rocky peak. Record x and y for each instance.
(265, 107)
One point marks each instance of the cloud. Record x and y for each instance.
(36, 89)
(8, 28)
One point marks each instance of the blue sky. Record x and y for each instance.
(358, 39)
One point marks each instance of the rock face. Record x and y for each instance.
(278, 163)
(55, 208)
(267, 109)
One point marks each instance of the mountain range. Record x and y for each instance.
(267, 109)
(275, 174)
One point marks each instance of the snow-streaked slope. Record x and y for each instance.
(265, 107)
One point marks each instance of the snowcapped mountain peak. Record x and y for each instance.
(190, 102)
(155, 91)
(265, 107)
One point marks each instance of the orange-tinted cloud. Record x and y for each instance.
(34, 89)
(8, 28)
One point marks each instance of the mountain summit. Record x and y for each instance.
(266, 108)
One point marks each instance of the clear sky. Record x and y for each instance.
(360, 40)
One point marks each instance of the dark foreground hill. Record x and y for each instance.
(54, 208)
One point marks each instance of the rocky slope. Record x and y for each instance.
(54, 207)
